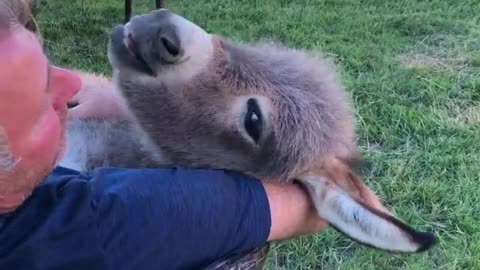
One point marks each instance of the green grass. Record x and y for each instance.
(413, 68)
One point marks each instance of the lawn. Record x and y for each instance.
(413, 68)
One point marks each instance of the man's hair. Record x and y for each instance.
(6, 19)
(7, 160)
(13, 13)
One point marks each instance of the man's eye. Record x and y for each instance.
(72, 104)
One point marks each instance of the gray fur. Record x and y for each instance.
(310, 115)
(93, 143)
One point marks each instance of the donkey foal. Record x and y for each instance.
(201, 100)
(271, 112)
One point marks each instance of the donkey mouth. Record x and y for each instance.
(134, 49)
(126, 51)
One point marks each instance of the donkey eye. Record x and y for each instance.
(253, 120)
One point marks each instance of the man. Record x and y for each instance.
(111, 218)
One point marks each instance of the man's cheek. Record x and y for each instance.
(62, 139)
(45, 138)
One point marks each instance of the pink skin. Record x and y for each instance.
(36, 127)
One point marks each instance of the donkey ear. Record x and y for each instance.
(353, 209)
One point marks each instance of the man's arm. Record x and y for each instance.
(149, 219)
(177, 218)
(197, 216)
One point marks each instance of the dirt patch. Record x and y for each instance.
(425, 61)
(455, 53)
(461, 113)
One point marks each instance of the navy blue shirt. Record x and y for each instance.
(136, 219)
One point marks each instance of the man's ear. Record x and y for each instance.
(341, 198)
(25, 12)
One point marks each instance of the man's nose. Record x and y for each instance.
(64, 84)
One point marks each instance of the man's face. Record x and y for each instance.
(33, 97)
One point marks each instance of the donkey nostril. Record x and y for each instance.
(170, 46)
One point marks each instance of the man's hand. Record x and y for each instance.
(293, 213)
(97, 99)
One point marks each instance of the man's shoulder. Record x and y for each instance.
(64, 174)
(101, 217)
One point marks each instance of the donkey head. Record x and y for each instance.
(267, 111)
